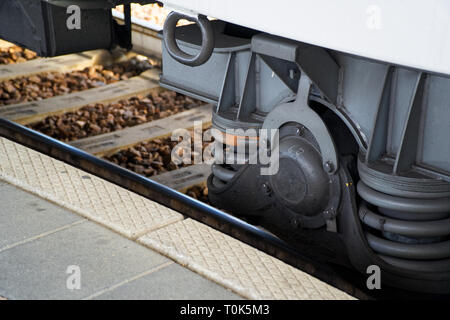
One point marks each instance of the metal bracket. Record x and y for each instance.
(378, 139)
(407, 153)
(313, 61)
(300, 112)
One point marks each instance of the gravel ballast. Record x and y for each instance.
(101, 118)
(15, 54)
(47, 85)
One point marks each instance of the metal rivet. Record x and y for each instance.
(292, 74)
(266, 188)
(296, 222)
(329, 213)
(328, 166)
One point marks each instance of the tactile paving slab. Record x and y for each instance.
(83, 193)
(236, 265)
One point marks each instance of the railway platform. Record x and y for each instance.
(67, 234)
(44, 244)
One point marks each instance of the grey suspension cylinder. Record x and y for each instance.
(407, 228)
(418, 265)
(420, 219)
(174, 50)
(383, 200)
(430, 251)
(222, 173)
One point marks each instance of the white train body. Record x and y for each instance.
(413, 33)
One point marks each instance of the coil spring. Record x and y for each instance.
(407, 233)
(223, 173)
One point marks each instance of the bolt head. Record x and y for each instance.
(266, 188)
(328, 167)
(329, 213)
(300, 131)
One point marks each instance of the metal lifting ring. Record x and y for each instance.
(174, 50)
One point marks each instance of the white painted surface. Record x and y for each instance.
(414, 33)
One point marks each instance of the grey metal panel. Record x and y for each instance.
(408, 150)
(272, 89)
(249, 94)
(362, 85)
(242, 61)
(403, 92)
(314, 61)
(378, 137)
(206, 80)
(227, 97)
(275, 46)
(436, 139)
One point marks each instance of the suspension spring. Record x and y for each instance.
(232, 160)
(408, 233)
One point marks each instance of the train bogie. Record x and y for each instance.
(361, 148)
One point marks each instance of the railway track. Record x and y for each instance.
(90, 152)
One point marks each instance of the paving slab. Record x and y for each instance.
(42, 241)
(171, 283)
(23, 216)
(89, 196)
(236, 265)
(38, 269)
